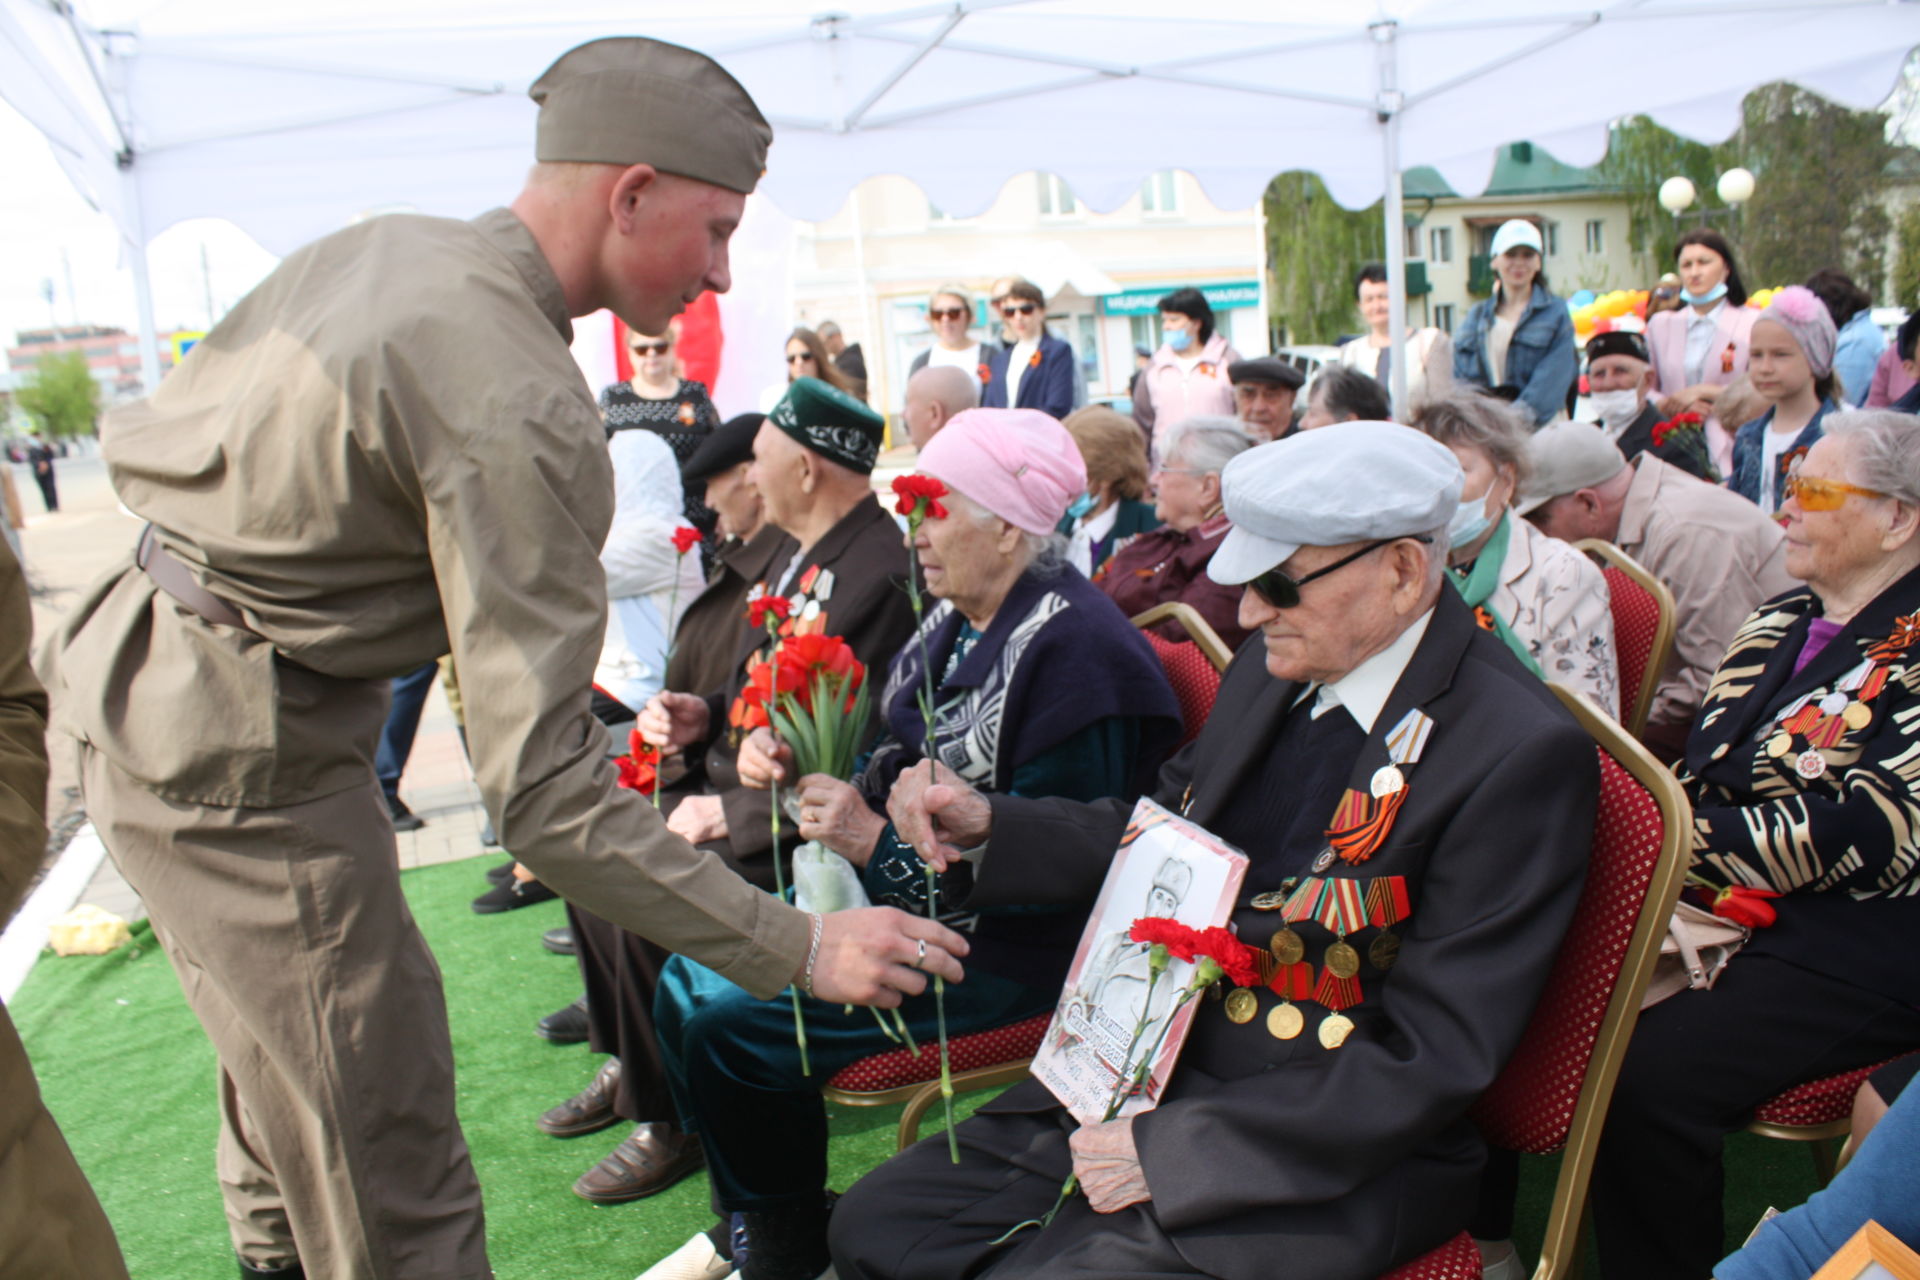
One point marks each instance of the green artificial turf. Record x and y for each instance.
(130, 1077)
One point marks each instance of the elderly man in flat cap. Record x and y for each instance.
(1619, 383)
(1719, 554)
(383, 453)
(1417, 811)
(1263, 393)
(843, 567)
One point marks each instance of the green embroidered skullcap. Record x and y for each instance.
(831, 423)
(630, 100)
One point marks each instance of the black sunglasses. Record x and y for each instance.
(946, 313)
(651, 348)
(1283, 592)
(1018, 308)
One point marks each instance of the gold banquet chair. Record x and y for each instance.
(1643, 628)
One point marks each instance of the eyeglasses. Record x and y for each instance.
(1179, 471)
(799, 357)
(1816, 493)
(1018, 309)
(651, 348)
(1283, 592)
(946, 313)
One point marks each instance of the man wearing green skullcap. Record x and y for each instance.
(383, 454)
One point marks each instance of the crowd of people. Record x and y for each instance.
(1398, 586)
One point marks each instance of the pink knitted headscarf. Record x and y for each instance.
(1020, 464)
(1799, 311)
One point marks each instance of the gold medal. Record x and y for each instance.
(1383, 951)
(1285, 1021)
(1341, 960)
(1287, 947)
(1858, 715)
(1242, 1004)
(1272, 900)
(1334, 1030)
(1386, 781)
(1779, 744)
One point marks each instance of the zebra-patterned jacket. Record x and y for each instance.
(1806, 783)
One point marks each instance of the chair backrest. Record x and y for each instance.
(1643, 627)
(1553, 1093)
(1197, 628)
(1195, 682)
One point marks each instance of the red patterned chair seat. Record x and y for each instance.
(1194, 680)
(1457, 1259)
(1636, 623)
(898, 1068)
(1817, 1101)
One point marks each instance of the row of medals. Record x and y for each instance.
(1810, 764)
(1284, 1020)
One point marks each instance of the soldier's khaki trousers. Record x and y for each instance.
(339, 1145)
(51, 1226)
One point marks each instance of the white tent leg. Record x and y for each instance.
(1388, 104)
(136, 242)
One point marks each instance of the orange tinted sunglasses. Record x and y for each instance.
(1815, 493)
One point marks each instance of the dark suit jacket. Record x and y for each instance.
(711, 626)
(1347, 1162)
(1047, 387)
(1853, 830)
(1638, 439)
(867, 607)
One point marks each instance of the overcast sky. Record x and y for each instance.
(42, 216)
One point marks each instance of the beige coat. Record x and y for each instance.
(1718, 554)
(1557, 602)
(384, 453)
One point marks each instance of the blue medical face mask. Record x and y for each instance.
(1080, 506)
(1714, 294)
(1179, 339)
(1470, 520)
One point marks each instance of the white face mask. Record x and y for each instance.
(1616, 408)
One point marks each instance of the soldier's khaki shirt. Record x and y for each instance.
(385, 452)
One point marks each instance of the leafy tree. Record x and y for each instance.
(61, 396)
(1906, 263)
(1314, 247)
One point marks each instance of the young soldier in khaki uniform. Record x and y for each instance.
(51, 1226)
(384, 453)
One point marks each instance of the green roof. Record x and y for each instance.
(1519, 169)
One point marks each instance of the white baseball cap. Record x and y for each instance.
(1514, 233)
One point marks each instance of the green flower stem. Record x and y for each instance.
(779, 877)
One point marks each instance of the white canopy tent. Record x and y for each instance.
(290, 122)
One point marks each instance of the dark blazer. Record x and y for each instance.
(866, 606)
(1166, 565)
(1132, 519)
(1047, 387)
(1638, 439)
(1345, 1162)
(1843, 845)
(710, 627)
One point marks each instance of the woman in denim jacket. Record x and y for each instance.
(1521, 337)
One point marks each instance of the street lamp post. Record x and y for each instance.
(1678, 193)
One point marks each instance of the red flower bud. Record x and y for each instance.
(686, 538)
(1746, 906)
(758, 608)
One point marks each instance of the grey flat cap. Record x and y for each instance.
(1350, 482)
(1567, 457)
(630, 100)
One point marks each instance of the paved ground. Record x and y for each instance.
(66, 550)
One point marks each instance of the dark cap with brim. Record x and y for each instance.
(831, 423)
(630, 100)
(726, 447)
(1618, 342)
(1266, 369)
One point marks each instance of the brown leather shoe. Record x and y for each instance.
(588, 1111)
(653, 1158)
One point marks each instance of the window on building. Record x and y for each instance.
(1443, 317)
(1551, 238)
(1144, 331)
(1159, 193)
(1596, 235)
(1056, 197)
(1440, 244)
(1413, 242)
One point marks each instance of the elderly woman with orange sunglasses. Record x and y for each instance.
(1801, 770)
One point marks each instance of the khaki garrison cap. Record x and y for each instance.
(630, 100)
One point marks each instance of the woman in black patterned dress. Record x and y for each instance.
(662, 401)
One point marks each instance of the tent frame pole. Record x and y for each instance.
(1388, 107)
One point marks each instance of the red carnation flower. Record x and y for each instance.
(912, 490)
(686, 538)
(1180, 941)
(640, 768)
(1231, 954)
(758, 608)
(1746, 906)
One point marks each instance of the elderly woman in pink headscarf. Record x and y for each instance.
(1041, 688)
